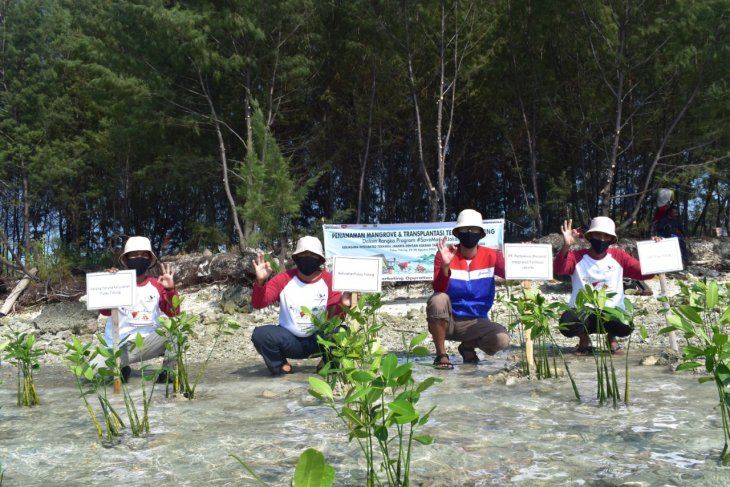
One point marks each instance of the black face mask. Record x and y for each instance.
(469, 240)
(139, 264)
(599, 246)
(307, 265)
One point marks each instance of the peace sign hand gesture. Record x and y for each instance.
(165, 278)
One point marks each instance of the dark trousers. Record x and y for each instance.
(572, 325)
(276, 344)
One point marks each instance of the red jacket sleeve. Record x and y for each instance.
(564, 266)
(165, 298)
(268, 294)
(440, 280)
(499, 264)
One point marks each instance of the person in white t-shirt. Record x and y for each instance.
(599, 266)
(307, 285)
(152, 296)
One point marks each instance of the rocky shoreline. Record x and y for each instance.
(403, 314)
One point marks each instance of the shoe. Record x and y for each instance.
(438, 364)
(471, 358)
(126, 373)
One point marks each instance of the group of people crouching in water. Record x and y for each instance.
(458, 309)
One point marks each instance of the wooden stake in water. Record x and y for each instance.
(115, 347)
(672, 336)
(529, 353)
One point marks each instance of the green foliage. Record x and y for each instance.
(592, 302)
(19, 351)
(533, 315)
(702, 315)
(311, 470)
(178, 331)
(380, 394)
(93, 382)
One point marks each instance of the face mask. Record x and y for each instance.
(139, 264)
(468, 240)
(307, 265)
(599, 246)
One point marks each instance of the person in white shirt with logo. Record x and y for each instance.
(600, 266)
(307, 285)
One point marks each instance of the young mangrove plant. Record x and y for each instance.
(533, 316)
(348, 347)
(19, 351)
(140, 425)
(703, 316)
(93, 383)
(178, 330)
(592, 302)
(311, 471)
(380, 395)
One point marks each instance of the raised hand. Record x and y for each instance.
(262, 268)
(447, 251)
(568, 233)
(166, 276)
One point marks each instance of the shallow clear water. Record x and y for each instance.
(531, 433)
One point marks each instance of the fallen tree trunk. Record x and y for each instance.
(17, 291)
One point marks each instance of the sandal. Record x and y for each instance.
(438, 364)
(473, 357)
(583, 351)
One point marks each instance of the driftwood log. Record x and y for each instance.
(199, 269)
(17, 291)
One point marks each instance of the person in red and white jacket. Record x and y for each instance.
(308, 285)
(600, 267)
(152, 296)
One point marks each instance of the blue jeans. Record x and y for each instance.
(276, 344)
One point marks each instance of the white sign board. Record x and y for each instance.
(528, 262)
(659, 256)
(106, 290)
(357, 274)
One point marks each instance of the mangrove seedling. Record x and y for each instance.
(178, 330)
(380, 395)
(592, 302)
(93, 382)
(703, 317)
(533, 315)
(19, 351)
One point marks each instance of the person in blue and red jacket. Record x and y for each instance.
(308, 285)
(599, 266)
(464, 288)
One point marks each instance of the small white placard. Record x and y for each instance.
(105, 290)
(357, 274)
(528, 262)
(659, 256)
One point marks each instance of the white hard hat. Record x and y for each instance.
(469, 218)
(138, 244)
(603, 224)
(309, 244)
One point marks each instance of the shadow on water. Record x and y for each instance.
(528, 433)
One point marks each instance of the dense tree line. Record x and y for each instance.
(208, 123)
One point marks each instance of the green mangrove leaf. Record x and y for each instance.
(311, 470)
(389, 364)
(416, 340)
(643, 333)
(321, 388)
(423, 439)
(688, 365)
(704, 379)
(381, 433)
(723, 374)
(712, 295)
(690, 313)
(362, 376)
(420, 352)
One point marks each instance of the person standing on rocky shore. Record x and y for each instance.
(151, 297)
(600, 267)
(307, 286)
(464, 287)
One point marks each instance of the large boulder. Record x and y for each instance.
(72, 316)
